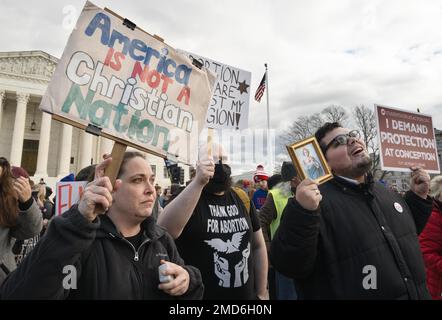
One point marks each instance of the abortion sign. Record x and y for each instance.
(133, 86)
(406, 139)
(229, 107)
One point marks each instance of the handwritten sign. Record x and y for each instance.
(229, 107)
(131, 85)
(406, 139)
(67, 194)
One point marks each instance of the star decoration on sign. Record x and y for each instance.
(243, 87)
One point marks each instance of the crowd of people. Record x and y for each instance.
(273, 237)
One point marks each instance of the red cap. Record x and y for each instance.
(19, 172)
(260, 174)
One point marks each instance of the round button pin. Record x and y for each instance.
(398, 207)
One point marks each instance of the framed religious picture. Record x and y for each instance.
(309, 161)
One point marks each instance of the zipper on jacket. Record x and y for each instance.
(136, 254)
(136, 258)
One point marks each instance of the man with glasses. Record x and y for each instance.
(352, 238)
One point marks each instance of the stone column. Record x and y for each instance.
(2, 97)
(19, 129)
(86, 150)
(43, 146)
(106, 146)
(65, 151)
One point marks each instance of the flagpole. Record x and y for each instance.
(268, 118)
(267, 93)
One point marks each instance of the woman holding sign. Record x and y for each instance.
(107, 247)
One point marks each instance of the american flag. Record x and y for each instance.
(260, 91)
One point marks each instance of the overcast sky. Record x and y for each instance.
(342, 52)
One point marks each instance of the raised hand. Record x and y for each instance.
(308, 195)
(205, 168)
(96, 198)
(420, 182)
(222, 270)
(23, 189)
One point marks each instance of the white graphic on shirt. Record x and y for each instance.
(222, 264)
(222, 270)
(242, 267)
(229, 246)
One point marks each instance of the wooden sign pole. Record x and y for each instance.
(117, 158)
(209, 141)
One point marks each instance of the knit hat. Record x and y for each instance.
(288, 171)
(19, 172)
(260, 174)
(69, 177)
(273, 181)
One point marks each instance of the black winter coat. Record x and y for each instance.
(361, 236)
(107, 265)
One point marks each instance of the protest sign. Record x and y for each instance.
(136, 89)
(406, 139)
(229, 106)
(67, 194)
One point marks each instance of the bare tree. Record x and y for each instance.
(302, 127)
(306, 125)
(366, 122)
(335, 113)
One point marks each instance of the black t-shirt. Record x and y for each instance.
(217, 240)
(136, 240)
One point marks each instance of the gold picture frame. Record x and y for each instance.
(309, 161)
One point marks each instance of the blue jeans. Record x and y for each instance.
(285, 287)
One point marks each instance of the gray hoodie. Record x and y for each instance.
(29, 225)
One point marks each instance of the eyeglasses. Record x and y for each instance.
(342, 139)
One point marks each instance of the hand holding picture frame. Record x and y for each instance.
(309, 161)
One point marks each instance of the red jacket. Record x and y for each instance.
(431, 245)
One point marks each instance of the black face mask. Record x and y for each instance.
(221, 179)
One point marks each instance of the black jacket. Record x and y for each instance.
(107, 265)
(327, 251)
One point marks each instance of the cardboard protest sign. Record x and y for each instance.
(67, 194)
(406, 139)
(134, 87)
(229, 107)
